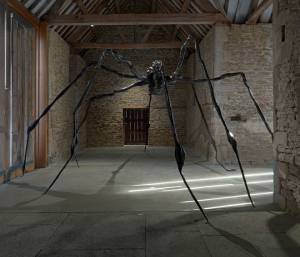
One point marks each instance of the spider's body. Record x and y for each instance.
(155, 78)
(158, 84)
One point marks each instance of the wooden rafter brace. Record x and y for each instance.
(254, 16)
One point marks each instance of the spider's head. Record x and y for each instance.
(154, 75)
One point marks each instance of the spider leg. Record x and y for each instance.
(228, 75)
(75, 136)
(34, 124)
(122, 59)
(120, 74)
(256, 105)
(202, 114)
(182, 54)
(212, 140)
(76, 109)
(229, 134)
(148, 125)
(179, 151)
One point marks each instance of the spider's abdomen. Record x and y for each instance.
(155, 77)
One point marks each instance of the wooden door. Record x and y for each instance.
(136, 124)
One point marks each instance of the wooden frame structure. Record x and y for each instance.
(77, 26)
(41, 71)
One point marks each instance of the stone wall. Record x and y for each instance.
(287, 103)
(105, 120)
(62, 67)
(236, 48)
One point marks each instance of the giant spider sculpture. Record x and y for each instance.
(158, 83)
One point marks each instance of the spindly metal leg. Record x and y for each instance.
(33, 125)
(74, 141)
(77, 107)
(229, 134)
(148, 125)
(212, 140)
(179, 151)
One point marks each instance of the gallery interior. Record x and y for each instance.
(150, 128)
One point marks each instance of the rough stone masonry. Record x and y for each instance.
(287, 103)
(235, 48)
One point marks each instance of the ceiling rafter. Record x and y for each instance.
(137, 19)
(254, 16)
(247, 11)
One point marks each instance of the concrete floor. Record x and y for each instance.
(127, 203)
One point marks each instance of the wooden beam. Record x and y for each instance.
(137, 19)
(41, 135)
(127, 45)
(253, 18)
(22, 11)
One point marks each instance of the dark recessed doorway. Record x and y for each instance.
(136, 125)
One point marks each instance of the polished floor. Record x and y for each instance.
(129, 203)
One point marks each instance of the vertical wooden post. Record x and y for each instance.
(41, 135)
